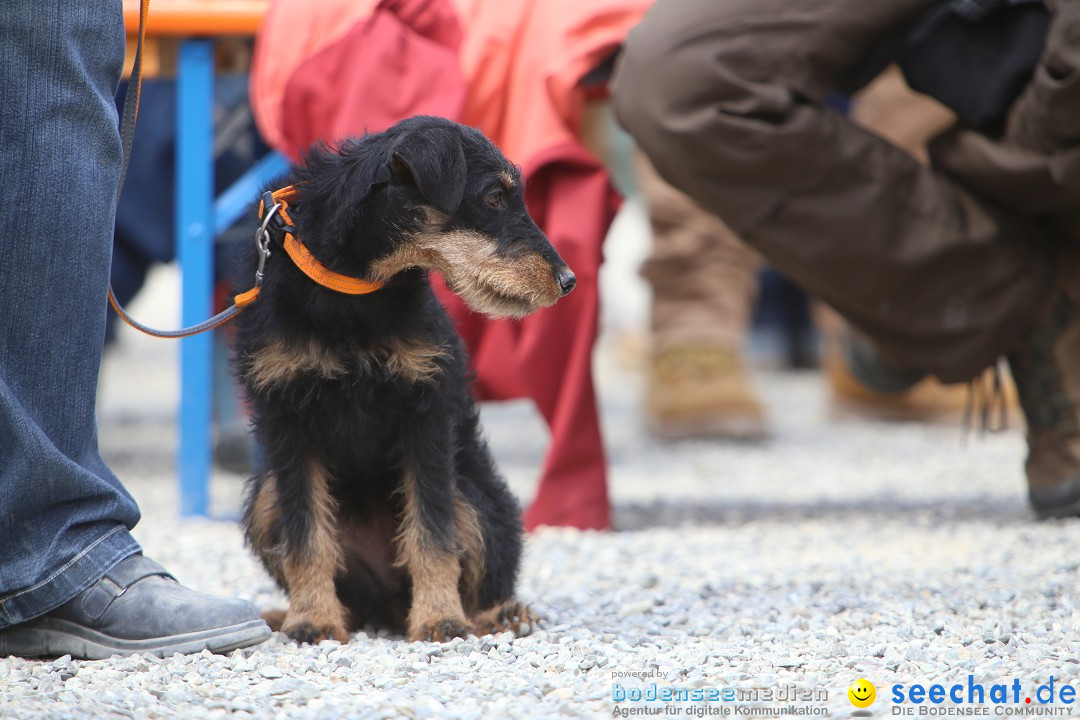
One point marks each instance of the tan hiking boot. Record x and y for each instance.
(861, 392)
(927, 401)
(702, 391)
(1047, 374)
(862, 386)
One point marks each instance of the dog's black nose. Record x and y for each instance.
(567, 279)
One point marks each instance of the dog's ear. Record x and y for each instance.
(433, 160)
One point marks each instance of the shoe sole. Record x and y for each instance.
(52, 637)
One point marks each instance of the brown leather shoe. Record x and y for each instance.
(702, 391)
(1047, 374)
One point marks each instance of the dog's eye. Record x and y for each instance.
(494, 198)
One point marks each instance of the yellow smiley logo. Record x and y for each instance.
(862, 693)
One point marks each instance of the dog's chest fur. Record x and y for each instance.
(352, 391)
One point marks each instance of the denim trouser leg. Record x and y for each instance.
(64, 517)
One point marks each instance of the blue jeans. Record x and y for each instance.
(64, 517)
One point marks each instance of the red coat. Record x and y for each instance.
(512, 69)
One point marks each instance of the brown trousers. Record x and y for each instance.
(945, 268)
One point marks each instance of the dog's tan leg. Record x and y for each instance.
(315, 613)
(470, 537)
(436, 613)
(261, 525)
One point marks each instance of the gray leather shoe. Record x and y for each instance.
(138, 607)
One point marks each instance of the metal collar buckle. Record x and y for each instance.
(262, 242)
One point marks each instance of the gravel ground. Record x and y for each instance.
(840, 549)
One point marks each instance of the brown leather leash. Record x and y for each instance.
(273, 210)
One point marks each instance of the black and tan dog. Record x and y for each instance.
(380, 502)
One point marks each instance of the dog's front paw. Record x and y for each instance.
(515, 616)
(443, 630)
(303, 630)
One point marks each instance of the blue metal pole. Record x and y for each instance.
(195, 244)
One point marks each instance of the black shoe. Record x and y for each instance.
(138, 607)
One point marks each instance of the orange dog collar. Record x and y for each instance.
(304, 260)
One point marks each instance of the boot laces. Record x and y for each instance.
(985, 399)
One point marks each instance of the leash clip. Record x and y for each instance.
(262, 242)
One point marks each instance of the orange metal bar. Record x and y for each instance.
(188, 18)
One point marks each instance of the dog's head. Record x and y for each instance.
(457, 205)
